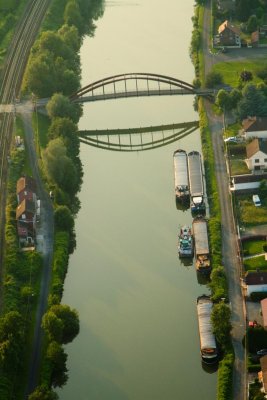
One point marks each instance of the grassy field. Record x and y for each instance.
(231, 71)
(255, 263)
(232, 130)
(252, 247)
(238, 166)
(41, 124)
(250, 215)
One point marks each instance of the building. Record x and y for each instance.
(255, 39)
(256, 282)
(255, 127)
(262, 375)
(229, 35)
(257, 154)
(26, 189)
(246, 182)
(264, 312)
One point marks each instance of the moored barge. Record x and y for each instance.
(181, 182)
(195, 175)
(208, 346)
(201, 240)
(185, 242)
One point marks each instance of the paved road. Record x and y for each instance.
(230, 249)
(47, 231)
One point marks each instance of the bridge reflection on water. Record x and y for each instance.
(137, 139)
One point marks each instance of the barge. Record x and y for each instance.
(185, 242)
(181, 181)
(208, 346)
(201, 240)
(196, 182)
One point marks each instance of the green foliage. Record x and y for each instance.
(252, 25)
(256, 339)
(213, 79)
(263, 189)
(255, 263)
(252, 103)
(64, 219)
(218, 284)
(61, 106)
(220, 319)
(246, 76)
(252, 247)
(57, 358)
(225, 373)
(43, 393)
(61, 323)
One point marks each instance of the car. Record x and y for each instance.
(231, 139)
(262, 352)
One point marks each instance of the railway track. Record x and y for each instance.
(13, 70)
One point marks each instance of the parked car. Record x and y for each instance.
(256, 200)
(262, 352)
(231, 139)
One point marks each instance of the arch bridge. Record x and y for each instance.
(136, 85)
(137, 139)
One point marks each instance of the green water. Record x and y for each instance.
(137, 301)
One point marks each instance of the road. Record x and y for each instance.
(230, 248)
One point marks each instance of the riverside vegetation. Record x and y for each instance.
(54, 57)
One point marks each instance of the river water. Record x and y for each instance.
(136, 300)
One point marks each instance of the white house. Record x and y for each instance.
(257, 154)
(256, 282)
(254, 127)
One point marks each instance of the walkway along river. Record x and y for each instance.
(137, 301)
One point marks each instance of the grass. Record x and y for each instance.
(232, 130)
(231, 71)
(249, 215)
(41, 124)
(238, 166)
(252, 247)
(255, 263)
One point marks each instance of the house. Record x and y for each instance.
(246, 182)
(255, 39)
(25, 215)
(262, 375)
(256, 282)
(26, 189)
(264, 312)
(254, 127)
(229, 35)
(257, 154)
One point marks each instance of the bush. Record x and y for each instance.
(213, 79)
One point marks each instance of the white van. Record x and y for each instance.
(256, 200)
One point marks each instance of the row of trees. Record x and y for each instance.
(55, 58)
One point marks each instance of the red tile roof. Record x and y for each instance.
(227, 25)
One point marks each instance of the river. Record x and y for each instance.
(136, 300)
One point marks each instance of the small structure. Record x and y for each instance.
(254, 127)
(247, 182)
(262, 375)
(26, 189)
(264, 312)
(256, 282)
(229, 35)
(257, 154)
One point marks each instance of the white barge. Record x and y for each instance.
(181, 181)
(208, 346)
(196, 182)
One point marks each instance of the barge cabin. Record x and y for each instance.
(208, 346)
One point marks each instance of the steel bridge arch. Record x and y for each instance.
(139, 76)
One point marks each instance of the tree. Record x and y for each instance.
(72, 15)
(64, 219)
(223, 100)
(60, 106)
(253, 103)
(213, 78)
(68, 131)
(263, 189)
(220, 319)
(59, 168)
(43, 393)
(246, 76)
(235, 97)
(242, 10)
(61, 323)
(58, 358)
(70, 36)
(252, 25)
